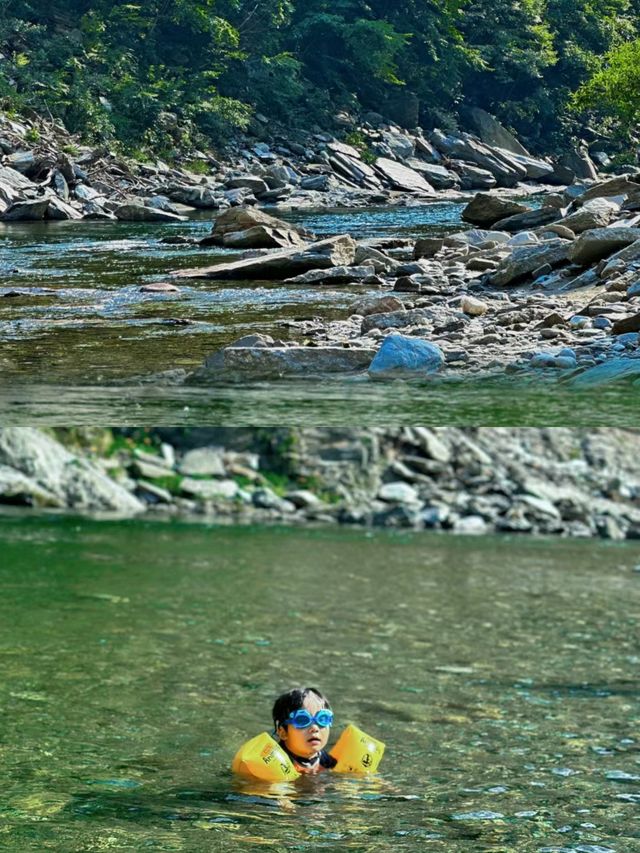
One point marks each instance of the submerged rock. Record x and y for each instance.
(248, 228)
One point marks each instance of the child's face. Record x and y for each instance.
(306, 742)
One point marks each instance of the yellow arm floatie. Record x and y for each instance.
(357, 752)
(262, 758)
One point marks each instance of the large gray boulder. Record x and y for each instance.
(599, 243)
(485, 209)
(403, 178)
(473, 177)
(336, 275)
(438, 176)
(134, 212)
(528, 219)
(249, 228)
(29, 210)
(596, 213)
(522, 262)
(494, 133)
(333, 252)
(401, 357)
(242, 363)
(69, 480)
(504, 168)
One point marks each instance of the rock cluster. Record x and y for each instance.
(47, 174)
(559, 298)
(565, 482)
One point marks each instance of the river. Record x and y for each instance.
(502, 675)
(79, 342)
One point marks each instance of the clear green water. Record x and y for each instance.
(501, 673)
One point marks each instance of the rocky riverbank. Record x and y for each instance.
(567, 482)
(552, 291)
(45, 173)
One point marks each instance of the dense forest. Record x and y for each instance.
(138, 72)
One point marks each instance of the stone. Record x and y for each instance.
(201, 197)
(621, 185)
(317, 183)
(580, 164)
(133, 212)
(401, 146)
(522, 262)
(375, 305)
(485, 209)
(614, 370)
(245, 227)
(406, 358)
(19, 490)
(395, 320)
(265, 498)
(61, 210)
(403, 178)
(427, 247)
(537, 170)
(398, 492)
(29, 210)
(336, 275)
(504, 168)
(74, 481)
(472, 177)
(333, 252)
(203, 461)
(599, 243)
(473, 307)
(438, 176)
(159, 287)
(528, 219)
(270, 362)
(596, 213)
(626, 325)
(209, 489)
(250, 182)
(494, 133)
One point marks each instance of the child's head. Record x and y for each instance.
(308, 740)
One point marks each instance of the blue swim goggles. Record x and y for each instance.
(302, 719)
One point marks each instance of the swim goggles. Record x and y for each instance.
(302, 719)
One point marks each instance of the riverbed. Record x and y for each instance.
(502, 675)
(80, 343)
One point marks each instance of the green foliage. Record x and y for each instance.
(613, 91)
(169, 75)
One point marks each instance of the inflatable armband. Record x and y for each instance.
(262, 758)
(356, 752)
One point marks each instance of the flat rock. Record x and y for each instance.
(473, 177)
(628, 324)
(486, 209)
(621, 185)
(142, 213)
(261, 237)
(203, 461)
(427, 247)
(404, 178)
(599, 243)
(375, 305)
(438, 176)
(26, 211)
(159, 287)
(615, 370)
(406, 358)
(596, 213)
(333, 252)
(494, 133)
(522, 262)
(526, 220)
(395, 319)
(244, 363)
(336, 275)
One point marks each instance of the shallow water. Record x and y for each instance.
(337, 402)
(501, 673)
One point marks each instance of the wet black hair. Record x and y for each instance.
(293, 700)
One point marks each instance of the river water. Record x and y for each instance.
(79, 341)
(502, 675)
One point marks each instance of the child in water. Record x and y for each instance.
(302, 719)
